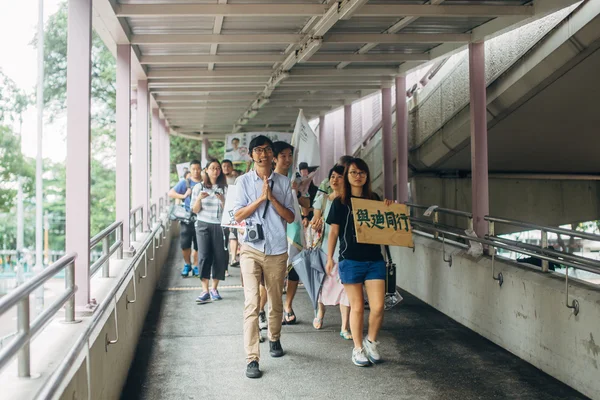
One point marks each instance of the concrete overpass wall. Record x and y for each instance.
(520, 64)
(550, 202)
(108, 365)
(526, 316)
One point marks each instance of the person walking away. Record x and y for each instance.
(187, 232)
(359, 264)
(208, 201)
(264, 201)
(333, 292)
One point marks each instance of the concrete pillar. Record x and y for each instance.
(348, 129)
(166, 169)
(479, 150)
(168, 156)
(141, 173)
(388, 157)
(79, 45)
(155, 157)
(205, 147)
(401, 141)
(123, 139)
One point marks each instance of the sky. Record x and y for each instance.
(18, 60)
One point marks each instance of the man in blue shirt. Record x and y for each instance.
(265, 198)
(187, 232)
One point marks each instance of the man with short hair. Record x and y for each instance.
(264, 201)
(228, 171)
(187, 231)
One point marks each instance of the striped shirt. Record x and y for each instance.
(211, 209)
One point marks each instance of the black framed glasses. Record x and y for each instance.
(261, 150)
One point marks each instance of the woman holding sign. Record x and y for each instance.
(359, 264)
(208, 200)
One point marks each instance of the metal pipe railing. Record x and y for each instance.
(435, 210)
(558, 231)
(60, 373)
(136, 222)
(26, 330)
(107, 249)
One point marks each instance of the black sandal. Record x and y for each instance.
(287, 316)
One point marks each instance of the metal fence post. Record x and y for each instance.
(545, 264)
(70, 284)
(105, 252)
(119, 237)
(134, 226)
(23, 329)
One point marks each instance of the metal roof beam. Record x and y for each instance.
(269, 59)
(186, 73)
(399, 38)
(165, 99)
(311, 10)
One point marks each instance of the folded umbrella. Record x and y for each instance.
(310, 267)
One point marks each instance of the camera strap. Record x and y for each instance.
(267, 203)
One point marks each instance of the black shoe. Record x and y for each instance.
(276, 349)
(252, 370)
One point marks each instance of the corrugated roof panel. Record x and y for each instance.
(403, 48)
(364, 25)
(340, 47)
(249, 25)
(176, 49)
(251, 49)
(176, 25)
(445, 24)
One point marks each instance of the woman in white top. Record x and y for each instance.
(208, 200)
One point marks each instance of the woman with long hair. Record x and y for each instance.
(208, 201)
(359, 264)
(333, 292)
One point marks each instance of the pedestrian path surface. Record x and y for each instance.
(190, 351)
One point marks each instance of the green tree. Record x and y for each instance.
(12, 166)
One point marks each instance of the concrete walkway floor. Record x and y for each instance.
(190, 351)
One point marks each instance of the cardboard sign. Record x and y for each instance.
(377, 224)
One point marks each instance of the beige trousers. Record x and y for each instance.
(254, 265)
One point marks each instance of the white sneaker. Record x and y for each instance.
(371, 350)
(262, 320)
(359, 359)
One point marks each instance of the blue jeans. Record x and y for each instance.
(360, 271)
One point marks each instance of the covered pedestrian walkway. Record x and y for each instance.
(196, 352)
(127, 324)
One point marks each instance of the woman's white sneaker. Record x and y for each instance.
(371, 350)
(359, 359)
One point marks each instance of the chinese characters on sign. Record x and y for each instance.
(377, 224)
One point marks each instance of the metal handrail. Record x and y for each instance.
(442, 210)
(559, 231)
(54, 382)
(136, 223)
(20, 298)
(107, 249)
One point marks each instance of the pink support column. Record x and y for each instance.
(402, 141)
(322, 151)
(479, 150)
(388, 157)
(123, 144)
(141, 173)
(155, 157)
(79, 44)
(168, 156)
(348, 129)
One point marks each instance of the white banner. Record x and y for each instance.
(305, 143)
(228, 219)
(182, 169)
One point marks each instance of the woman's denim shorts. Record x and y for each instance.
(359, 271)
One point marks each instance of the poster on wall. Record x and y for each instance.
(236, 147)
(236, 144)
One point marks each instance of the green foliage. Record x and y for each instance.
(13, 101)
(13, 165)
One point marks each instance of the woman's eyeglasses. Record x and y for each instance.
(356, 174)
(261, 150)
